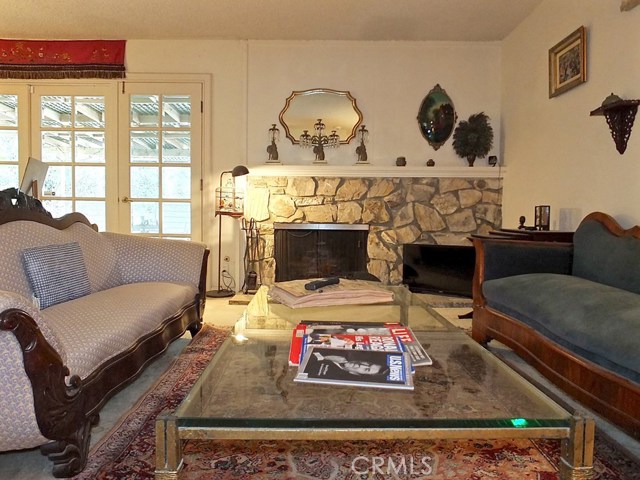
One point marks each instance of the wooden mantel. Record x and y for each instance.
(371, 171)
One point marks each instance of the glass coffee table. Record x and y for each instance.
(247, 392)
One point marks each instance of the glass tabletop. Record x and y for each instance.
(250, 382)
(407, 308)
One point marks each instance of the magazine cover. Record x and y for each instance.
(358, 337)
(325, 336)
(411, 344)
(363, 368)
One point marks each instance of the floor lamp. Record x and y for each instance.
(226, 204)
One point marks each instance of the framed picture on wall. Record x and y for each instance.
(568, 63)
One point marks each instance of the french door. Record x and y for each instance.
(160, 159)
(126, 154)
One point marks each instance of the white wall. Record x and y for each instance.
(555, 152)
(251, 80)
(388, 80)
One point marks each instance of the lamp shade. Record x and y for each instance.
(239, 171)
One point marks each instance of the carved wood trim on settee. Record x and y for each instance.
(65, 413)
(607, 393)
(67, 408)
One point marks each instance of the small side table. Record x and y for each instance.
(534, 235)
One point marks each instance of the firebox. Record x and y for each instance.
(310, 250)
(444, 269)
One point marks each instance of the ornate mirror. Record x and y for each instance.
(437, 117)
(337, 110)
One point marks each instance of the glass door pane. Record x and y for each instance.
(14, 103)
(73, 137)
(161, 165)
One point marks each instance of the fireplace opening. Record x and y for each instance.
(312, 250)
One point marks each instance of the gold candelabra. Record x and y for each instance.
(319, 141)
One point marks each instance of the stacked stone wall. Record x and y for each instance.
(398, 211)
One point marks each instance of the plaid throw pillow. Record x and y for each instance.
(57, 273)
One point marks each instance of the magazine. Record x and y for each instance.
(359, 336)
(306, 335)
(362, 368)
(347, 292)
(417, 352)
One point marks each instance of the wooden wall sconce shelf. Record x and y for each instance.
(620, 115)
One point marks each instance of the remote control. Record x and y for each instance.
(316, 284)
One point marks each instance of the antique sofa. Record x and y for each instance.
(109, 304)
(572, 310)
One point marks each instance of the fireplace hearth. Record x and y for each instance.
(311, 250)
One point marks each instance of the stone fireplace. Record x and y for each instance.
(438, 210)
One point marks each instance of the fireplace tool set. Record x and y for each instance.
(251, 255)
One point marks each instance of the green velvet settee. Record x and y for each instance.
(572, 310)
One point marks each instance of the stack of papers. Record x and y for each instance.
(347, 292)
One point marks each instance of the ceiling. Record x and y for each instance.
(427, 20)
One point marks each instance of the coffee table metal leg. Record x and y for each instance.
(168, 448)
(576, 457)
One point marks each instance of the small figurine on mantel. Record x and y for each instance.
(522, 221)
(319, 151)
(272, 150)
(361, 152)
(362, 136)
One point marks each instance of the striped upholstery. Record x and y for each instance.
(57, 273)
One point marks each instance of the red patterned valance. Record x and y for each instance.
(41, 59)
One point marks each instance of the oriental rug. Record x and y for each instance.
(128, 450)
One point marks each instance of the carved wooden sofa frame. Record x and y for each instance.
(66, 411)
(609, 394)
